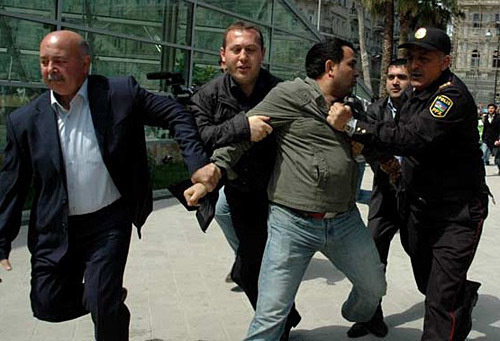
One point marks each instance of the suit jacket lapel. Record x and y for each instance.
(98, 94)
(46, 122)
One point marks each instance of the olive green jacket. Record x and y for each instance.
(314, 170)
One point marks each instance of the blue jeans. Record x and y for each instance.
(486, 153)
(223, 218)
(363, 196)
(292, 241)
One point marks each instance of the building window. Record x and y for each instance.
(496, 59)
(476, 20)
(475, 59)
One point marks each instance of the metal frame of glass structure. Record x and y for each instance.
(134, 37)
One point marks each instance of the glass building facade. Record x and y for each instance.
(136, 37)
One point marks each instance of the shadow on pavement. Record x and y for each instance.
(322, 268)
(485, 315)
(339, 333)
(415, 312)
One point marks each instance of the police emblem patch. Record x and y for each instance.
(440, 107)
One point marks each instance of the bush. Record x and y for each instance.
(168, 174)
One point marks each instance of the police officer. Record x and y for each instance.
(443, 175)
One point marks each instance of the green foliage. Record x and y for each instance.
(203, 74)
(436, 13)
(166, 175)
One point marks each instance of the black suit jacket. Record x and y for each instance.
(491, 130)
(120, 108)
(382, 188)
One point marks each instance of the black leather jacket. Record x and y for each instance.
(219, 108)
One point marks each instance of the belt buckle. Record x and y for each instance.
(329, 215)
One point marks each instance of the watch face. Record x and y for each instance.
(349, 126)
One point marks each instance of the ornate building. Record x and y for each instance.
(476, 40)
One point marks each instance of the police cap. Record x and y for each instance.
(429, 38)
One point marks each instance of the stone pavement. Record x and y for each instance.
(175, 277)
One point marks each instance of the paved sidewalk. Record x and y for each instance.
(175, 276)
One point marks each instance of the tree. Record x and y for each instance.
(416, 13)
(365, 61)
(385, 8)
(387, 44)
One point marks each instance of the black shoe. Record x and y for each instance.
(291, 322)
(375, 326)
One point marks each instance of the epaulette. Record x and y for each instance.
(445, 85)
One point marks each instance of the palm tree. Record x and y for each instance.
(415, 13)
(387, 44)
(365, 61)
(383, 8)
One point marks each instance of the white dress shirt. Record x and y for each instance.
(394, 111)
(89, 184)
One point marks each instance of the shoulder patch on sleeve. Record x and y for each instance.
(440, 106)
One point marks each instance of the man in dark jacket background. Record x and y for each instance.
(491, 130)
(219, 108)
(384, 221)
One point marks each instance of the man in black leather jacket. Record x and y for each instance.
(219, 108)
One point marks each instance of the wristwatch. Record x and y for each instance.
(350, 126)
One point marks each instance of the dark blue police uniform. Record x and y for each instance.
(446, 196)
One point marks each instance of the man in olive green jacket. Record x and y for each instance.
(312, 193)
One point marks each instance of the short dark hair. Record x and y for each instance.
(319, 53)
(397, 62)
(492, 105)
(243, 26)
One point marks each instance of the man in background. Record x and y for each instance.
(384, 220)
(491, 130)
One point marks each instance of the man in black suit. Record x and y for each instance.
(81, 145)
(384, 221)
(491, 130)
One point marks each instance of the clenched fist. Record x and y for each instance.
(209, 175)
(259, 128)
(338, 116)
